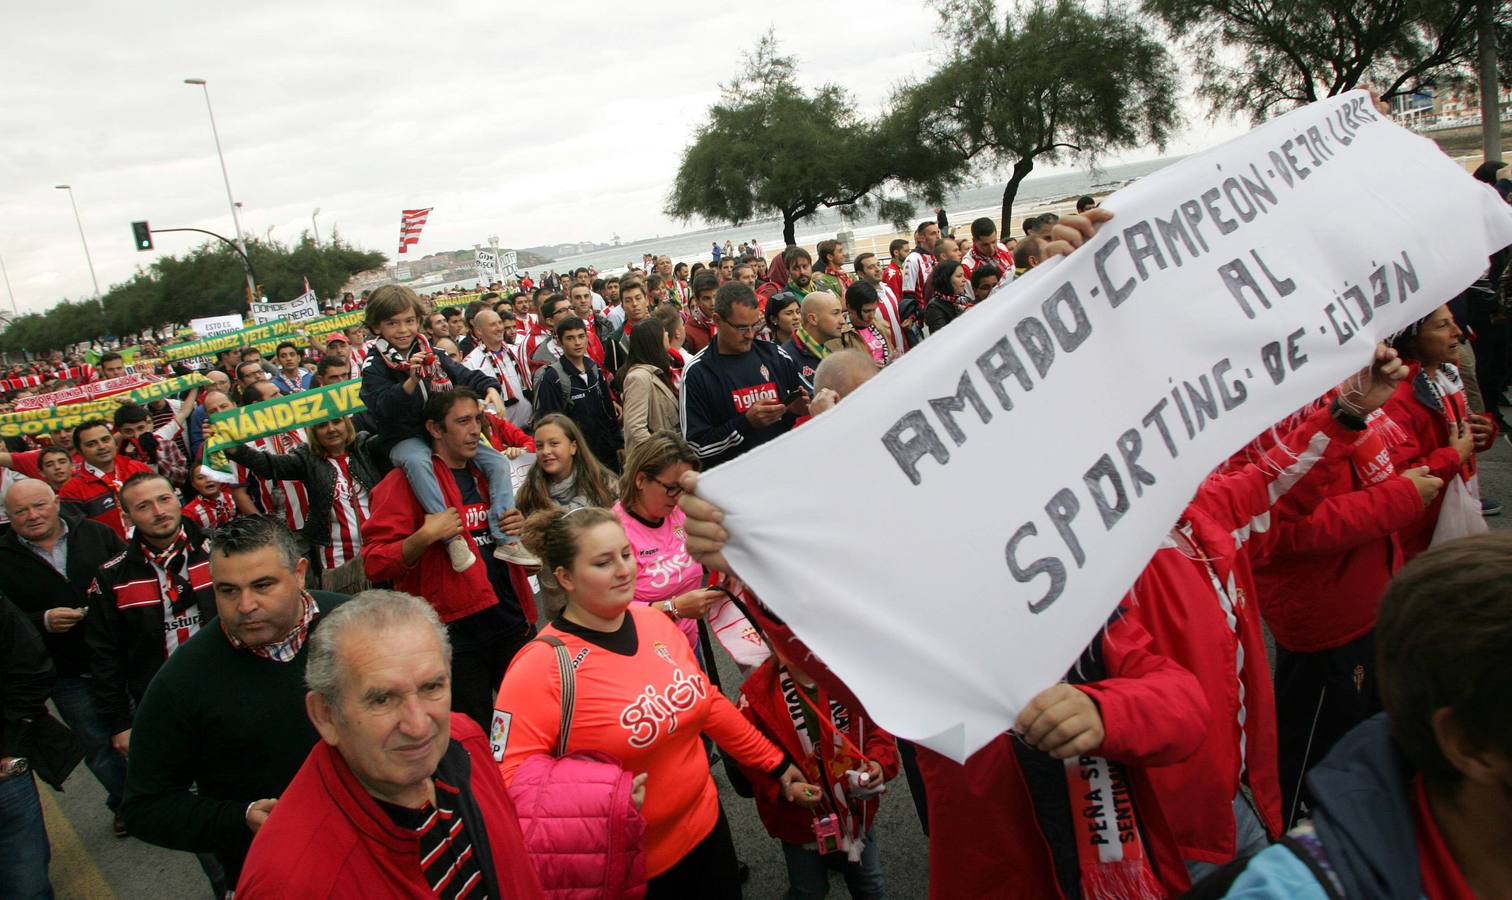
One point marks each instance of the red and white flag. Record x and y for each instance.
(410, 223)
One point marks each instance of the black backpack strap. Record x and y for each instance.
(569, 691)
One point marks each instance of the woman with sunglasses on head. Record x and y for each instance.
(668, 579)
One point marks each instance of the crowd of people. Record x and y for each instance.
(458, 644)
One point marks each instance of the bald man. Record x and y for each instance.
(817, 335)
(49, 556)
(840, 374)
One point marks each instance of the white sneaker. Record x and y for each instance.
(461, 555)
(516, 553)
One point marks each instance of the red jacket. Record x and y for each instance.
(762, 702)
(327, 837)
(1335, 545)
(595, 349)
(1207, 631)
(396, 516)
(983, 837)
(504, 433)
(1426, 444)
(96, 497)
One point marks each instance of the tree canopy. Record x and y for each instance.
(1262, 57)
(206, 281)
(768, 148)
(1044, 82)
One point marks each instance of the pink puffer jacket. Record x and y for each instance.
(583, 833)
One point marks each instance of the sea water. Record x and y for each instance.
(962, 207)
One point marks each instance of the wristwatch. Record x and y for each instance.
(16, 765)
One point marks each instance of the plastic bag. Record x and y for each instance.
(1460, 516)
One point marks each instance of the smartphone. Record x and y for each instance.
(795, 394)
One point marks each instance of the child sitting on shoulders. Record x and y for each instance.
(400, 372)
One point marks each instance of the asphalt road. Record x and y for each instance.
(89, 862)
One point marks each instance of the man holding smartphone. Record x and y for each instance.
(739, 392)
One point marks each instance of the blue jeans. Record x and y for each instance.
(73, 695)
(413, 455)
(808, 871)
(24, 851)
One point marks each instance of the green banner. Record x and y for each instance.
(128, 355)
(56, 418)
(326, 324)
(280, 414)
(168, 387)
(240, 338)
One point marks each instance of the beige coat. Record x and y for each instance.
(649, 405)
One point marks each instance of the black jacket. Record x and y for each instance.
(365, 461)
(126, 626)
(586, 401)
(940, 311)
(26, 677)
(397, 412)
(35, 586)
(218, 729)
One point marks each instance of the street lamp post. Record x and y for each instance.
(235, 217)
(80, 222)
(316, 225)
(6, 275)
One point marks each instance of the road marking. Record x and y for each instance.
(73, 870)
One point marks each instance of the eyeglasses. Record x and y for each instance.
(673, 490)
(742, 329)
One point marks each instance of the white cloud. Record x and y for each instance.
(539, 123)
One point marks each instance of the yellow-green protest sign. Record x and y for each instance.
(280, 414)
(241, 338)
(339, 322)
(159, 389)
(55, 418)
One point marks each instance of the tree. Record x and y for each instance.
(768, 148)
(1041, 83)
(208, 280)
(1259, 57)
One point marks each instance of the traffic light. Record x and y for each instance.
(143, 235)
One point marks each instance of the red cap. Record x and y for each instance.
(336, 336)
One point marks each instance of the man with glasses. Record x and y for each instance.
(738, 392)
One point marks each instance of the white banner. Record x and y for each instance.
(486, 263)
(301, 308)
(950, 537)
(211, 326)
(507, 267)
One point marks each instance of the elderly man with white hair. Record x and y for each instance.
(393, 760)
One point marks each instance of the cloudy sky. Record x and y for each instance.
(540, 123)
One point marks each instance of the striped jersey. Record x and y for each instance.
(349, 510)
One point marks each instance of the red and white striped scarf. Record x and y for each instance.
(173, 562)
(432, 376)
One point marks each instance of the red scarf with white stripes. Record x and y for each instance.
(173, 560)
(431, 375)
